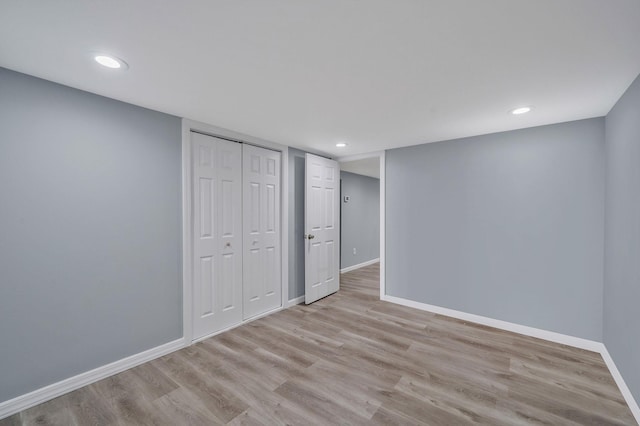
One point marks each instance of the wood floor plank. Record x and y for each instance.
(291, 353)
(352, 359)
(120, 394)
(181, 407)
(385, 417)
(430, 410)
(56, 412)
(319, 406)
(222, 405)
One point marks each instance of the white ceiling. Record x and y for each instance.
(376, 74)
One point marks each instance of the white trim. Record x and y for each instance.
(284, 225)
(551, 336)
(187, 256)
(23, 402)
(296, 301)
(231, 327)
(383, 202)
(624, 389)
(38, 396)
(359, 265)
(383, 225)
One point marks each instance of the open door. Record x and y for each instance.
(322, 227)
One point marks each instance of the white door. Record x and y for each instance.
(262, 289)
(217, 234)
(322, 227)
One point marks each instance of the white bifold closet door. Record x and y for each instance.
(236, 233)
(217, 234)
(262, 290)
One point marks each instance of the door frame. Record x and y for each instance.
(187, 217)
(381, 155)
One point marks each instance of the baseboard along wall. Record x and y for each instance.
(551, 336)
(296, 301)
(23, 402)
(38, 396)
(626, 392)
(359, 265)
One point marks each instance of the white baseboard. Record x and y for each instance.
(624, 389)
(551, 336)
(15, 405)
(38, 396)
(243, 322)
(359, 265)
(23, 402)
(296, 301)
(564, 339)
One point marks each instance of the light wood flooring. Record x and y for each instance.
(352, 359)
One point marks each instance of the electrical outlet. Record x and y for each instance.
(354, 250)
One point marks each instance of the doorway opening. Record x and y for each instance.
(362, 214)
(296, 214)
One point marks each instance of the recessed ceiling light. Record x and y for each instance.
(341, 144)
(521, 110)
(110, 61)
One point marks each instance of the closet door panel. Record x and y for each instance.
(217, 234)
(261, 204)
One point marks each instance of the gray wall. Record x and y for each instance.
(296, 223)
(90, 232)
(360, 219)
(622, 242)
(507, 225)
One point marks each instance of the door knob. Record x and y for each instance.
(309, 236)
(228, 244)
